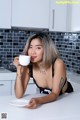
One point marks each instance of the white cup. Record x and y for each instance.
(24, 60)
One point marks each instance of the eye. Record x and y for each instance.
(38, 48)
(30, 46)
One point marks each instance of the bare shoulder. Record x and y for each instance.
(59, 64)
(59, 69)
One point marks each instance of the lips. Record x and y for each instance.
(33, 57)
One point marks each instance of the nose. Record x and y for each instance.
(33, 51)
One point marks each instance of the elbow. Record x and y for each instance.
(54, 96)
(18, 96)
(18, 93)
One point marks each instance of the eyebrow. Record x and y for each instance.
(37, 45)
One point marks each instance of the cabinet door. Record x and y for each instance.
(5, 13)
(75, 20)
(5, 88)
(58, 16)
(12, 87)
(30, 13)
(31, 88)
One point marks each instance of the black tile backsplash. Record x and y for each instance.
(12, 43)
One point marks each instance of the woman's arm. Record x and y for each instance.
(22, 79)
(58, 82)
(59, 76)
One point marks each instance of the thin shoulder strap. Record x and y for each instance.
(52, 70)
(53, 67)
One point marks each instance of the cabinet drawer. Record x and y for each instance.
(5, 88)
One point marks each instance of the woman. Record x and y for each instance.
(46, 68)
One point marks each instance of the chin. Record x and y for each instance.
(33, 61)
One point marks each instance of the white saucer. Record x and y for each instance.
(20, 102)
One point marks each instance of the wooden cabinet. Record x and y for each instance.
(5, 87)
(58, 16)
(5, 13)
(30, 13)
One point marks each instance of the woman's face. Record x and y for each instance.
(36, 51)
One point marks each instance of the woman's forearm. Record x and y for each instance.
(48, 98)
(22, 78)
(18, 86)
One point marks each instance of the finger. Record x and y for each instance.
(31, 107)
(16, 61)
(32, 104)
(16, 58)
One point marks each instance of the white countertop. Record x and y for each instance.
(65, 108)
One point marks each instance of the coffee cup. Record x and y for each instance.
(24, 60)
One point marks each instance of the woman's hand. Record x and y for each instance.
(33, 103)
(16, 61)
(17, 65)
